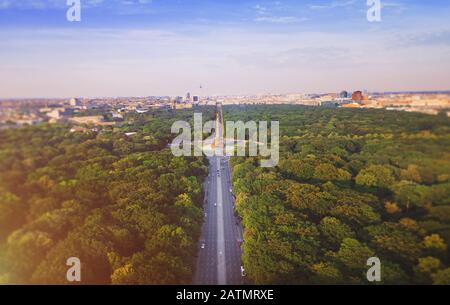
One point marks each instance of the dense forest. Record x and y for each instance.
(120, 202)
(350, 185)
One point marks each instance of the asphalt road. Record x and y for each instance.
(219, 261)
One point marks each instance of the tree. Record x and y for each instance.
(357, 214)
(190, 214)
(158, 269)
(409, 195)
(434, 242)
(297, 168)
(411, 174)
(392, 208)
(11, 213)
(441, 213)
(441, 277)
(394, 241)
(429, 265)
(308, 198)
(326, 274)
(329, 172)
(376, 176)
(100, 197)
(353, 254)
(335, 231)
(169, 238)
(393, 274)
(24, 251)
(387, 216)
(125, 275)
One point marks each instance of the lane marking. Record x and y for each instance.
(221, 263)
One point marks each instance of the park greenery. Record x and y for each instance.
(119, 201)
(350, 185)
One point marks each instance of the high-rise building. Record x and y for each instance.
(188, 97)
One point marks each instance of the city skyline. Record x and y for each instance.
(142, 48)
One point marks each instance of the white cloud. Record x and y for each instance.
(333, 4)
(271, 14)
(227, 58)
(280, 19)
(74, 62)
(57, 4)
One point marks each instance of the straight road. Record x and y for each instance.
(219, 258)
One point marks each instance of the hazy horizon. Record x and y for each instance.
(214, 95)
(159, 48)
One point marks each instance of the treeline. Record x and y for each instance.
(128, 209)
(350, 185)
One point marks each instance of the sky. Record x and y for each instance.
(221, 47)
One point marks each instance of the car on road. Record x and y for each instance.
(215, 204)
(242, 271)
(203, 246)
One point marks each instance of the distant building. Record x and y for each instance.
(196, 99)
(91, 120)
(74, 102)
(118, 116)
(60, 113)
(365, 99)
(357, 96)
(329, 104)
(142, 110)
(78, 129)
(188, 97)
(326, 98)
(351, 105)
(182, 106)
(45, 110)
(343, 94)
